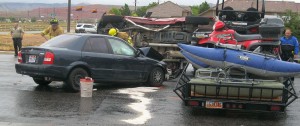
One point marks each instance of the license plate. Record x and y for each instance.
(32, 58)
(239, 23)
(213, 105)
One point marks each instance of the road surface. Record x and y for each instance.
(26, 104)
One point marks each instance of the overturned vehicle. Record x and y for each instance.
(244, 27)
(162, 35)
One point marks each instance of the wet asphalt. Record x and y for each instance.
(23, 103)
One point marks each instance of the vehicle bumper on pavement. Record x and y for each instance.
(79, 31)
(33, 70)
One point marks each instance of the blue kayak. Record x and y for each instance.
(193, 61)
(257, 64)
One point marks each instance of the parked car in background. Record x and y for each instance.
(85, 28)
(70, 57)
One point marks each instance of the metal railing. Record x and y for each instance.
(187, 91)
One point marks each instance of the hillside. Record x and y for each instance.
(28, 6)
(45, 11)
(48, 10)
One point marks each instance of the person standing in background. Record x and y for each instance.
(289, 46)
(17, 34)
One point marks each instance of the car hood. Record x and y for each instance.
(151, 53)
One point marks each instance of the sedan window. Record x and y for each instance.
(96, 44)
(62, 41)
(88, 26)
(120, 48)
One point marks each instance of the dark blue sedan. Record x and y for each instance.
(70, 57)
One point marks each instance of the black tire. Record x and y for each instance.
(41, 81)
(230, 16)
(81, 31)
(73, 80)
(251, 16)
(156, 77)
(112, 19)
(197, 20)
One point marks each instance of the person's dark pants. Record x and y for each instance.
(17, 45)
(287, 55)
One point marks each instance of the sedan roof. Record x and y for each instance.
(72, 41)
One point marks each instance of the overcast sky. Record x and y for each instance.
(121, 2)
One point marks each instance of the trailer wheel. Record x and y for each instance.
(197, 20)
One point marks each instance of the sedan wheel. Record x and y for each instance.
(156, 77)
(41, 81)
(73, 81)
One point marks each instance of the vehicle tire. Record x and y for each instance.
(156, 77)
(41, 81)
(112, 19)
(73, 80)
(81, 31)
(197, 20)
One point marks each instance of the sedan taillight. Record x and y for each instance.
(20, 57)
(49, 58)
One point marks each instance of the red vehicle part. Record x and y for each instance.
(219, 25)
(229, 36)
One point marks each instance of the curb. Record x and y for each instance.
(6, 52)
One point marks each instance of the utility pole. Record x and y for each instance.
(135, 5)
(69, 15)
(158, 2)
(54, 12)
(47, 13)
(39, 12)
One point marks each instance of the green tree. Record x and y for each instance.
(2, 19)
(33, 19)
(292, 21)
(203, 7)
(196, 10)
(134, 14)
(115, 11)
(143, 10)
(125, 11)
(12, 19)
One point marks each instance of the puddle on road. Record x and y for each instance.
(140, 106)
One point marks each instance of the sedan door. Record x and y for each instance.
(127, 65)
(98, 57)
(89, 28)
